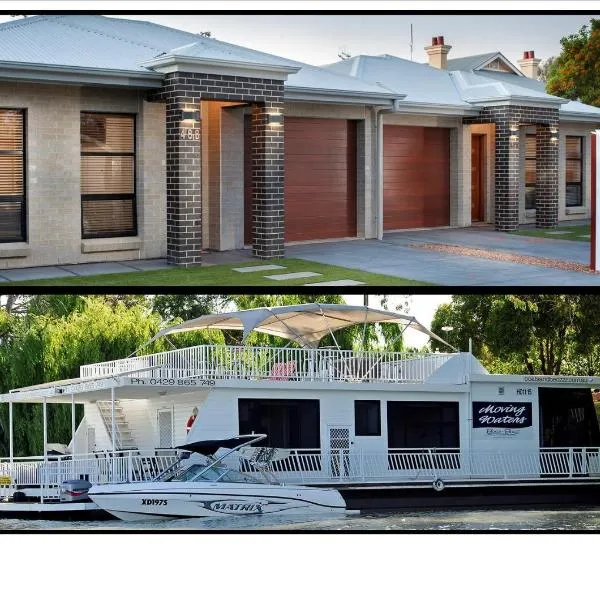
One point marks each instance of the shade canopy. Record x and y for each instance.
(306, 324)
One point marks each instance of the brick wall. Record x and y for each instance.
(53, 192)
(507, 162)
(184, 187)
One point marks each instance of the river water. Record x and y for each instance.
(572, 519)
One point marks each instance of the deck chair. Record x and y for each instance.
(282, 371)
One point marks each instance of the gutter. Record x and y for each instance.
(297, 93)
(36, 72)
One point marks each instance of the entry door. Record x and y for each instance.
(476, 178)
(165, 428)
(339, 451)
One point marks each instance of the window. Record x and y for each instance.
(574, 159)
(12, 176)
(367, 417)
(423, 425)
(107, 175)
(529, 172)
(287, 423)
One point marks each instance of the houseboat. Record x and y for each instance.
(386, 429)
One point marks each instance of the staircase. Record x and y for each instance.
(124, 439)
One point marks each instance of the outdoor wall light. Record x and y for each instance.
(190, 115)
(274, 119)
(514, 128)
(514, 138)
(554, 139)
(553, 130)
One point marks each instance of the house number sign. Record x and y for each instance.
(187, 133)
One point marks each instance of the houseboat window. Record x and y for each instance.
(567, 418)
(367, 417)
(107, 175)
(12, 176)
(287, 423)
(530, 171)
(423, 425)
(574, 158)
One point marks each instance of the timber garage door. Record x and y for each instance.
(416, 177)
(320, 179)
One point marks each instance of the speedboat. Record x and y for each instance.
(190, 489)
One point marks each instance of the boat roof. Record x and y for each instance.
(209, 447)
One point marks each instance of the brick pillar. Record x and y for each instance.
(546, 176)
(507, 174)
(267, 182)
(184, 185)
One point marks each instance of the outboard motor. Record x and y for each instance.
(75, 490)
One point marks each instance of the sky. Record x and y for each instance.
(318, 39)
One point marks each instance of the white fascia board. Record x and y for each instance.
(185, 64)
(554, 380)
(578, 117)
(423, 108)
(517, 101)
(38, 73)
(340, 97)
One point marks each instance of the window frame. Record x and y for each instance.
(581, 161)
(104, 197)
(23, 199)
(356, 420)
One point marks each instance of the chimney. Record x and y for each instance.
(529, 64)
(438, 53)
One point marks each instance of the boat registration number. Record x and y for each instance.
(5, 479)
(153, 502)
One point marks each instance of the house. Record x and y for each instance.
(123, 139)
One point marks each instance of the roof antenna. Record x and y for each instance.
(411, 42)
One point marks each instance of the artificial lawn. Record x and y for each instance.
(223, 275)
(574, 233)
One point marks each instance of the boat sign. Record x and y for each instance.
(5, 479)
(505, 415)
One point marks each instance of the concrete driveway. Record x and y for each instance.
(399, 254)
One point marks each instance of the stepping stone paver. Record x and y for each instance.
(300, 275)
(337, 282)
(258, 268)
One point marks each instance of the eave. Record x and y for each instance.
(70, 75)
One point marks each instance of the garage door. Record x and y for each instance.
(416, 177)
(320, 179)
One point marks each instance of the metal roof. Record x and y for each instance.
(83, 43)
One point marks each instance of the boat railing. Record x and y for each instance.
(401, 465)
(276, 364)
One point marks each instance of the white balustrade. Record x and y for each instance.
(299, 364)
(317, 466)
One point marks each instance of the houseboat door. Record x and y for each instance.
(339, 450)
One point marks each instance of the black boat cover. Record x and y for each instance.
(209, 447)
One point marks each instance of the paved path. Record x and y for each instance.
(394, 256)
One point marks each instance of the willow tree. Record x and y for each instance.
(43, 346)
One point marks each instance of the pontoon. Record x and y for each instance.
(385, 428)
(213, 488)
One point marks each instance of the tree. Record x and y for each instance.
(47, 346)
(575, 74)
(544, 68)
(535, 334)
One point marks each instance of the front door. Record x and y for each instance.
(476, 178)
(339, 451)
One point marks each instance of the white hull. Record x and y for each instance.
(171, 500)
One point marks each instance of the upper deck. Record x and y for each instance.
(214, 362)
